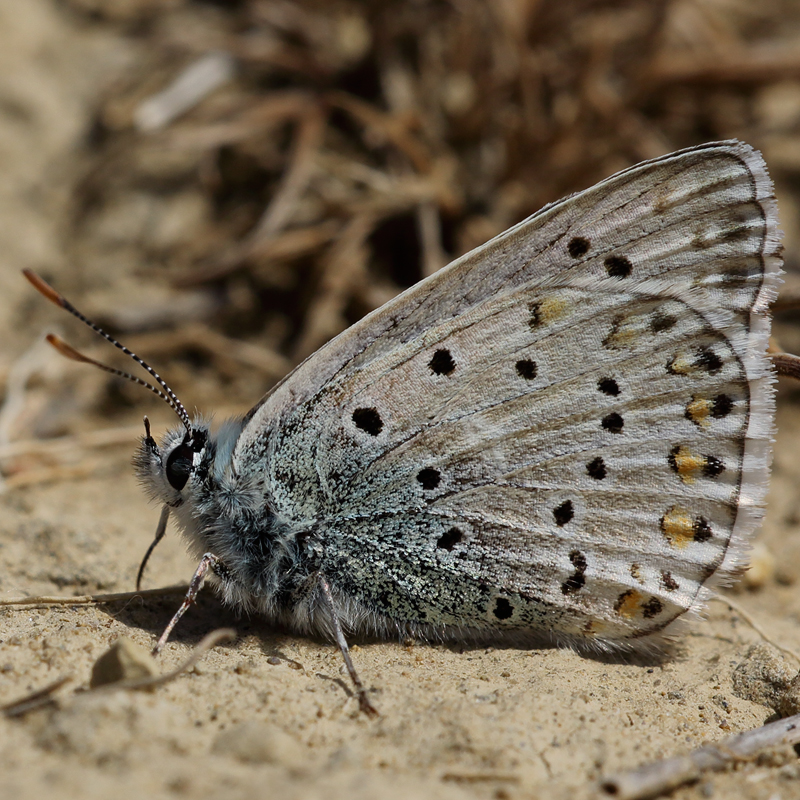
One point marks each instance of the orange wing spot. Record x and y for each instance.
(681, 364)
(629, 603)
(625, 332)
(552, 309)
(699, 410)
(687, 464)
(677, 525)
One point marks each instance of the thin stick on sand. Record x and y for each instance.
(659, 777)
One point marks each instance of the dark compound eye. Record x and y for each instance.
(179, 466)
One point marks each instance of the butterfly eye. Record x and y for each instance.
(179, 465)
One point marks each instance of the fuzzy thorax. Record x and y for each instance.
(230, 515)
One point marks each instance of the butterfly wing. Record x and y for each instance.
(566, 430)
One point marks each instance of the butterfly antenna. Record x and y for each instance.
(68, 351)
(168, 396)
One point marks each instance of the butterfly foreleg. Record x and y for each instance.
(160, 531)
(208, 561)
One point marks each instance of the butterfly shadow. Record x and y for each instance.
(152, 614)
(650, 657)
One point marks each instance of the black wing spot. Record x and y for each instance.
(369, 420)
(564, 513)
(722, 406)
(685, 463)
(429, 477)
(739, 227)
(622, 602)
(672, 368)
(442, 362)
(652, 608)
(668, 582)
(536, 315)
(661, 321)
(575, 582)
(608, 386)
(672, 459)
(578, 246)
(618, 267)
(596, 468)
(708, 360)
(449, 539)
(610, 340)
(613, 422)
(701, 530)
(503, 608)
(526, 369)
(713, 467)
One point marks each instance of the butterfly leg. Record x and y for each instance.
(160, 531)
(363, 701)
(208, 561)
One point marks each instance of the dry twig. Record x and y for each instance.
(346, 264)
(660, 777)
(37, 699)
(48, 601)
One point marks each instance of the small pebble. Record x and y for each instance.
(763, 677)
(123, 661)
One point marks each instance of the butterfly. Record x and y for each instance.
(564, 435)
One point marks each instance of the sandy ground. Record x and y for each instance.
(272, 714)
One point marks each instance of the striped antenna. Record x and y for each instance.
(168, 396)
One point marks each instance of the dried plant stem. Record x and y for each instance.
(789, 297)
(346, 264)
(755, 625)
(429, 227)
(47, 601)
(198, 336)
(41, 697)
(394, 128)
(660, 777)
(44, 696)
(108, 437)
(295, 180)
(748, 65)
(284, 246)
(787, 365)
(31, 477)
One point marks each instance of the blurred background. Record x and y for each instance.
(227, 185)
